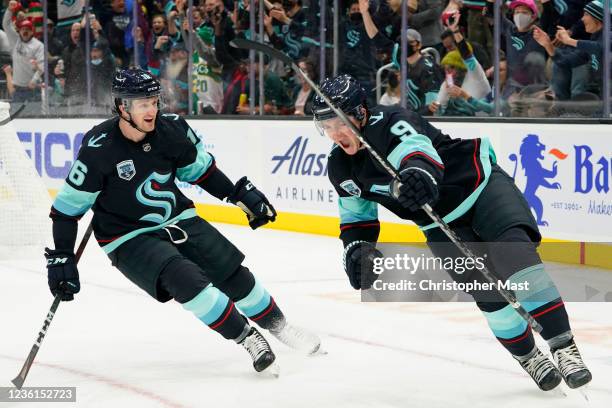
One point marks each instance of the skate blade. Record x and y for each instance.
(559, 391)
(272, 371)
(583, 391)
(318, 351)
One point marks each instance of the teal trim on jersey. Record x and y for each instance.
(160, 195)
(196, 169)
(208, 305)
(110, 247)
(542, 289)
(413, 143)
(506, 323)
(73, 202)
(381, 189)
(356, 209)
(475, 3)
(471, 63)
(255, 302)
(486, 156)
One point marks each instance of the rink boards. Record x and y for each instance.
(566, 169)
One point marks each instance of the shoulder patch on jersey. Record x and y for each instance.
(374, 119)
(93, 141)
(351, 187)
(126, 170)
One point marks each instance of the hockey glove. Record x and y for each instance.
(417, 188)
(253, 202)
(62, 273)
(359, 264)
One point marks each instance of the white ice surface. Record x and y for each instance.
(121, 348)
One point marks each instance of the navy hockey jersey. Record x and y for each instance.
(461, 167)
(130, 186)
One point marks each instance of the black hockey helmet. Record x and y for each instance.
(135, 83)
(345, 93)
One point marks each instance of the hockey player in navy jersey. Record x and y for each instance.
(462, 182)
(125, 172)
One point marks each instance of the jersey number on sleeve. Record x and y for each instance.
(77, 173)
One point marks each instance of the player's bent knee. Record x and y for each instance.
(183, 280)
(239, 284)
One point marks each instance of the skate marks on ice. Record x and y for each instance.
(380, 355)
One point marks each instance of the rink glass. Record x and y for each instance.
(325, 33)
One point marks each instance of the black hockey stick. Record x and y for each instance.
(20, 379)
(12, 115)
(509, 296)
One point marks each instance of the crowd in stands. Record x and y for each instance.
(551, 57)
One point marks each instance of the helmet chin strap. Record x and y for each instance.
(132, 123)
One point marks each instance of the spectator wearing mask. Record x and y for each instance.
(466, 87)
(424, 75)
(526, 58)
(577, 64)
(357, 54)
(392, 95)
(102, 63)
(28, 59)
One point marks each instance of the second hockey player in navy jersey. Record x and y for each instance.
(462, 182)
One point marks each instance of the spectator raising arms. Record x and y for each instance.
(28, 59)
(424, 75)
(466, 87)
(356, 47)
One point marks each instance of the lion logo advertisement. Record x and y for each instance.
(531, 156)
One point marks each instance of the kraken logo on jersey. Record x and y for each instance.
(351, 187)
(126, 170)
(149, 194)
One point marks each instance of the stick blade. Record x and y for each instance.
(266, 49)
(18, 381)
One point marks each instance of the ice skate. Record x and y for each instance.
(299, 339)
(574, 371)
(542, 370)
(260, 351)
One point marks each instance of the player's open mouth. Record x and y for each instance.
(345, 145)
(148, 120)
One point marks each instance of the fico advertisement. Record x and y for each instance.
(564, 171)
